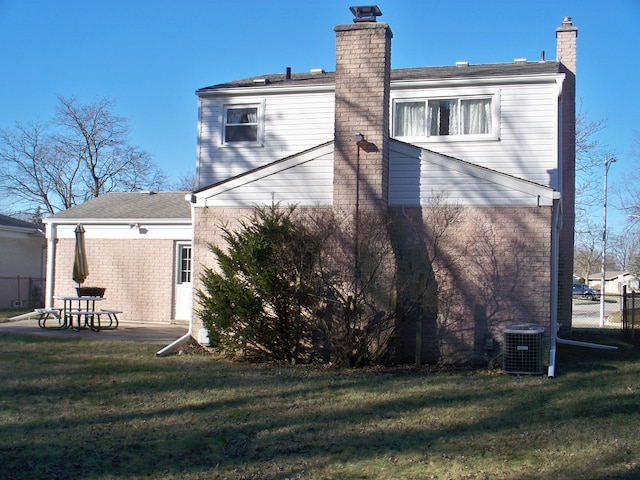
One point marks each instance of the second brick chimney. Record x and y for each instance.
(566, 36)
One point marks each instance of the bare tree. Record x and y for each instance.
(587, 257)
(624, 247)
(98, 139)
(357, 275)
(33, 174)
(589, 155)
(82, 154)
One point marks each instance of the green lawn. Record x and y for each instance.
(74, 409)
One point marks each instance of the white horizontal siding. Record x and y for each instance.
(526, 146)
(417, 175)
(305, 184)
(292, 123)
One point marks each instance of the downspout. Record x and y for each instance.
(555, 239)
(51, 254)
(556, 225)
(176, 344)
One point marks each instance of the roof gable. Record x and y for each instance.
(416, 174)
(304, 179)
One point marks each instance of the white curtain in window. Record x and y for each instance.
(410, 119)
(476, 116)
(443, 117)
(242, 115)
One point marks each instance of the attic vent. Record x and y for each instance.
(317, 71)
(520, 60)
(260, 81)
(462, 64)
(365, 14)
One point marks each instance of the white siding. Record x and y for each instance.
(526, 146)
(306, 181)
(417, 175)
(292, 123)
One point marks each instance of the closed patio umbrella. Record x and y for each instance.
(80, 264)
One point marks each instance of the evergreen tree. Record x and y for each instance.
(259, 300)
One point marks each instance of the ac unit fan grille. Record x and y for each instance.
(524, 349)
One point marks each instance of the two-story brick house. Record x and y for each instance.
(495, 140)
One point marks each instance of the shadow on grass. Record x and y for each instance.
(73, 409)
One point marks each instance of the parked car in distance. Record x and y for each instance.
(580, 290)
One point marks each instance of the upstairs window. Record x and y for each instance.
(241, 123)
(444, 117)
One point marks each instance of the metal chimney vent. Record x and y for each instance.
(365, 14)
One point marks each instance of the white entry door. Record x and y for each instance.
(184, 291)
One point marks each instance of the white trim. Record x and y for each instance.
(248, 91)
(477, 81)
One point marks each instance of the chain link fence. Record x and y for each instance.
(587, 313)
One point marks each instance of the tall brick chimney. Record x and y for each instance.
(566, 36)
(361, 154)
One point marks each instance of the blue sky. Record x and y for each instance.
(151, 56)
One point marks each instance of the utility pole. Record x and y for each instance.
(607, 164)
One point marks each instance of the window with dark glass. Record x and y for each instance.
(241, 124)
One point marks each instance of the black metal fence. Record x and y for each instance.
(631, 316)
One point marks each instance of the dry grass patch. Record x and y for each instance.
(99, 410)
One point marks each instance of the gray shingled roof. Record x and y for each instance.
(131, 205)
(401, 74)
(11, 222)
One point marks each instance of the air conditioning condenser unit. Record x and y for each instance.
(524, 349)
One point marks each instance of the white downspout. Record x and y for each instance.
(51, 233)
(176, 344)
(556, 225)
(555, 240)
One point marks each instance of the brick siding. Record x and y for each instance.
(136, 274)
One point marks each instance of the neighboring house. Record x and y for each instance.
(22, 253)
(497, 139)
(613, 281)
(138, 248)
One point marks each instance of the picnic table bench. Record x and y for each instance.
(51, 313)
(93, 319)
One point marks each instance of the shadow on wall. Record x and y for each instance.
(463, 275)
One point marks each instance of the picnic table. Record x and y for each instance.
(81, 309)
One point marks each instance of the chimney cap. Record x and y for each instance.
(367, 13)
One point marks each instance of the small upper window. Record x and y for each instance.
(240, 124)
(444, 117)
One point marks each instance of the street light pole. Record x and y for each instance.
(607, 164)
